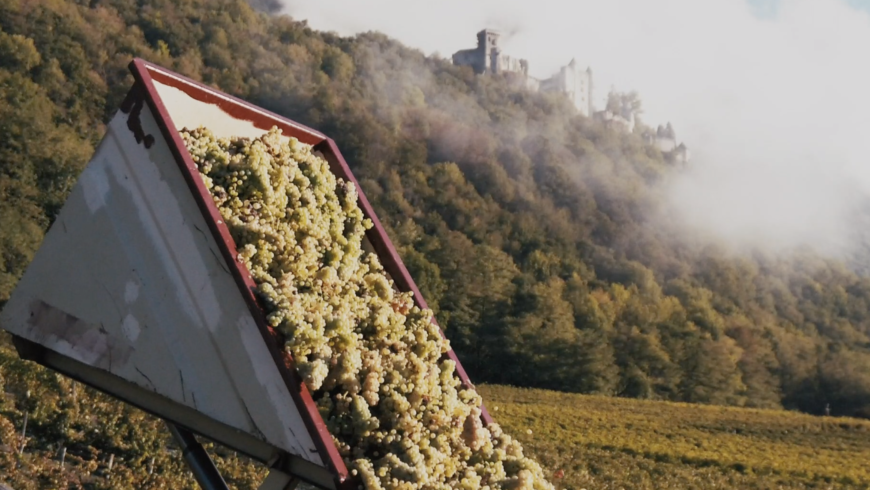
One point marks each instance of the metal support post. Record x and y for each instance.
(197, 459)
(277, 480)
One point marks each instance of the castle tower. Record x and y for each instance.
(487, 58)
(487, 44)
(487, 39)
(575, 84)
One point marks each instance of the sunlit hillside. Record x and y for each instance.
(528, 227)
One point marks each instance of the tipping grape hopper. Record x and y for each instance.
(137, 290)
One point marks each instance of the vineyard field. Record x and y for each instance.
(613, 443)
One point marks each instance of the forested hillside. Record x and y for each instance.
(527, 227)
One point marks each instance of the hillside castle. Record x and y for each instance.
(488, 59)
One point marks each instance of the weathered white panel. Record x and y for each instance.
(187, 112)
(130, 280)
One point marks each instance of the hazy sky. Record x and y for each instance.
(770, 96)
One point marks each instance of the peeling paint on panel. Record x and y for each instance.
(134, 123)
(130, 327)
(90, 342)
(95, 184)
(131, 292)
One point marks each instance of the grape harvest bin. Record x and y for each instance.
(136, 289)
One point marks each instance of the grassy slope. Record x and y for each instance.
(604, 442)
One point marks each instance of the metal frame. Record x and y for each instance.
(203, 468)
(207, 475)
(182, 417)
(184, 420)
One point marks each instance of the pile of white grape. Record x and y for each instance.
(372, 359)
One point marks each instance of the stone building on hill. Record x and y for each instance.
(622, 121)
(488, 59)
(681, 154)
(575, 83)
(665, 139)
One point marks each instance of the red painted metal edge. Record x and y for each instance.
(286, 366)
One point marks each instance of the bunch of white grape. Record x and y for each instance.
(372, 359)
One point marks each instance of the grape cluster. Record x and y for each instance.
(371, 358)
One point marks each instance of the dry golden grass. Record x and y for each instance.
(612, 443)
